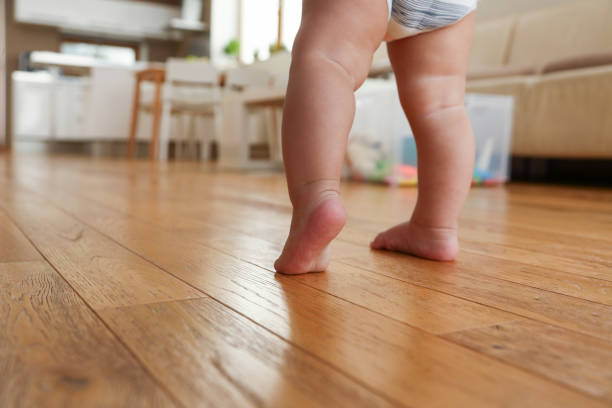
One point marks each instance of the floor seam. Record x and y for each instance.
(342, 299)
(308, 352)
(99, 318)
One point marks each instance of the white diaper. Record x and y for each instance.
(412, 17)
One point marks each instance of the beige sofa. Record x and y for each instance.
(557, 63)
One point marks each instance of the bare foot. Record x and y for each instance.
(439, 244)
(312, 229)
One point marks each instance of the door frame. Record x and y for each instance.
(4, 138)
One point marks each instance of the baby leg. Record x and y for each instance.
(430, 69)
(331, 58)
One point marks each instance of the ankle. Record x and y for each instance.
(441, 241)
(310, 195)
(440, 231)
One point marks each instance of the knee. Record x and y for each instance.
(343, 34)
(430, 96)
(351, 60)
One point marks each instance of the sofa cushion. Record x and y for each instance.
(499, 72)
(567, 115)
(559, 32)
(588, 60)
(492, 43)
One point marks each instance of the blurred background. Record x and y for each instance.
(205, 79)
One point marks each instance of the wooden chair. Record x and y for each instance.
(248, 79)
(277, 66)
(233, 80)
(192, 88)
(158, 77)
(234, 149)
(239, 79)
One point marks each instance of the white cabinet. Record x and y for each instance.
(70, 107)
(109, 103)
(94, 108)
(116, 17)
(33, 96)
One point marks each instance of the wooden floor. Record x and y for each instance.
(139, 284)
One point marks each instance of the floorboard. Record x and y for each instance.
(175, 260)
(590, 318)
(196, 346)
(579, 361)
(54, 351)
(566, 311)
(15, 246)
(103, 272)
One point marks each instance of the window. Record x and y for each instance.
(255, 24)
(260, 26)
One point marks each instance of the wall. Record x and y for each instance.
(160, 51)
(2, 77)
(491, 9)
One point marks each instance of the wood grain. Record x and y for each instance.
(594, 290)
(579, 361)
(569, 312)
(197, 346)
(420, 307)
(54, 352)
(380, 328)
(470, 282)
(427, 309)
(402, 363)
(102, 271)
(496, 237)
(555, 255)
(15, 246)
(253, 221)
(233, 385)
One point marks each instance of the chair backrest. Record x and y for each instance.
(191, 72)
(277, 66)
(247, 77)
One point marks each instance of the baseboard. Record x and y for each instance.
(563, 171)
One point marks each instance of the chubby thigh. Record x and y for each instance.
(343, 28)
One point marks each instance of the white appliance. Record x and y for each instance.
(191, 14)
(118, 18)
(70, 107)
(33, 96)
(94, 108)
(109, 103)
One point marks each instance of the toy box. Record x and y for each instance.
(382, 148)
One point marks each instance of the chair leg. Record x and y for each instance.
(273, 132)
(153, 152)
(278, 119)
(180, 137)
(134, 120)
(205, 139)
(216, 131)
(233, 139)
(192, 137)
(166, 124)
